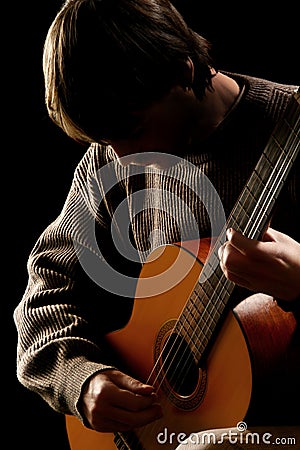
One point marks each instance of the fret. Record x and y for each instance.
(200, 340)
(193, 311)
(217, 297)
(249, 192)
(196, 305)
(209, 285)
(206, 318)
(209, 318)
(186, 324)
(242, 212)
(199, 349)
(211, 267)
(270, 157)
(278, 147)
(244, 204)
(198, 345)
(209, 294)
(264, 171)
(199, 331)
(216, 279)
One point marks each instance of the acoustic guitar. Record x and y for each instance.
(207, 360)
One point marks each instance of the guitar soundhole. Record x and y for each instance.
(179, 366)
(176, 371)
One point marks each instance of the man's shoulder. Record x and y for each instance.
(100, 165)
(262, 89)
(262, 97)
(95, 157)
(259, 82)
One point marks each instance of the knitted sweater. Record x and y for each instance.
(83, 268)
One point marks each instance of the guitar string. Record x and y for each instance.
(254, 229)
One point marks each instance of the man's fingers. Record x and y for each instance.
(122, 420)
(125, 392)
(132, 402)
(131, 384)
(234, 257)
(112, 402)
(240, 242)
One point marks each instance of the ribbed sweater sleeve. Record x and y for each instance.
(57, 351)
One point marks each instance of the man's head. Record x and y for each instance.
(105, 61)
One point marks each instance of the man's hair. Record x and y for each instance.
(106, 59)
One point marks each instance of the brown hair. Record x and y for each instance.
(104, 59)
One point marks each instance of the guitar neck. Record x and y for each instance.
(250, 216)
(254, 206)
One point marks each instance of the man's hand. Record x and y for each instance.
(113, 401)
(270, 266)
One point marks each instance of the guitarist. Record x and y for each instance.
(132, 82)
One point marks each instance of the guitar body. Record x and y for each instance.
(216, 394)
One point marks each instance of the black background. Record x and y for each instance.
(38, 160)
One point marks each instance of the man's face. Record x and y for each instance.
(165, 127)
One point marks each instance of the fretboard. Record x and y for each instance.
(250, 215)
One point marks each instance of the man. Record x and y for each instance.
(172, 142)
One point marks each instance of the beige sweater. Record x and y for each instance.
(74, 298)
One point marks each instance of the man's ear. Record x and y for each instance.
(188, 74)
